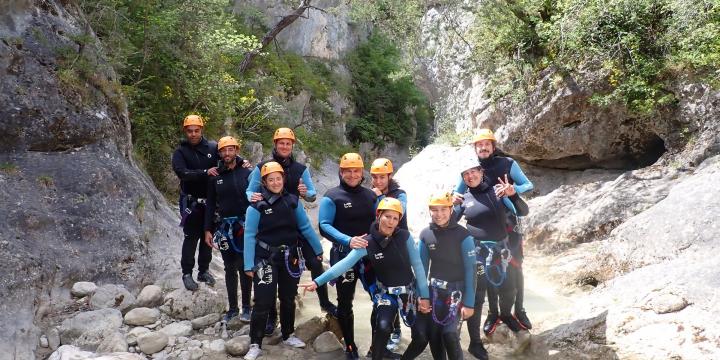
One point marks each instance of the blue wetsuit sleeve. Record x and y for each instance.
(418, 269)
(252, 219)
(311, 192)
(522, 183)
(326, 217)
(470, 266)
(461, 188)
(458, 212)
(253, 183)
(307, 230)
(341, 266)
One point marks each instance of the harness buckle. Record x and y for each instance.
(397, 290)
(439, 284)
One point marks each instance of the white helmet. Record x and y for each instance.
(468, 160)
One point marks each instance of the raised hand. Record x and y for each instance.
(256, 197)
(508, 188)
(302, 188)
(358, 242)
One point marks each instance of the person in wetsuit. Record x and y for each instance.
(487, 223)
(447, 251)
(346, 212)
(272, 255)
(397, 269)
(498, 167)
(226, 200)
(299, 183)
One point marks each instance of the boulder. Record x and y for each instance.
(205, 321)
(152, 342)
(150, 296)
(83, 288)
(132, 335)
(114, 342)
(310, 329)
(216, 346)
(326, 342)
(142, 316)
(69, 352)
(238, 346)
(186, 305)
(112, 296)
(183, 328)
(90, 327)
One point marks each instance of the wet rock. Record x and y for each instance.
(132, 335)
(311, 328)
(186, 305)
(183, 328)
(90, 327)
(326, 342)
(150, 296)
(112, 296)
(142, 316)
(205, 321)
(238, 346)
(114, 342)
(152, 342)
(83, 288)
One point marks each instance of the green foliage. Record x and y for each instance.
(173, 59)
(9, 168)
(389, 106)
(46, 181)
(639, 44)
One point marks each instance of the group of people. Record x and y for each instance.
(253, 216)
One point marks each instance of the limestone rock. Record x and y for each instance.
(238, 346)
(310, 329)
(90, 326)
(204, 321)
(69, 352)
(514, 343)
(152, 342)
(132, 335)
(216, 346)
(186, 305)
(115, 342)
(44, 342)
(83, 288)
(326, 342)
(142, 316)
(112, 296)
(54, 338)
(150, 296)
(665, 302)
(183, 328)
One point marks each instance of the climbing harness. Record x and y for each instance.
(455, 298)
(224, 238)
(390, 295)
(285, 249)
(500, 268)
(188, 204)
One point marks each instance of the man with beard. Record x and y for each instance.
(497, 167)
(194, 162)
(225, 198)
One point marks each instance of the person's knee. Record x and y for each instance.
(384, 324)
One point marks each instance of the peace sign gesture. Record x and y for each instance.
(506, 187)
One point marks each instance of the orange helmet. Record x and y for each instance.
(193, 120)
(271, 167)
(484, 134)
(389, 203)
(381, 166)
(227, 141)
(441, 199)
(284, 133)
(351, 160)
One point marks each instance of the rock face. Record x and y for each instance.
(328, 34)
(75, 204)
(555, 125)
